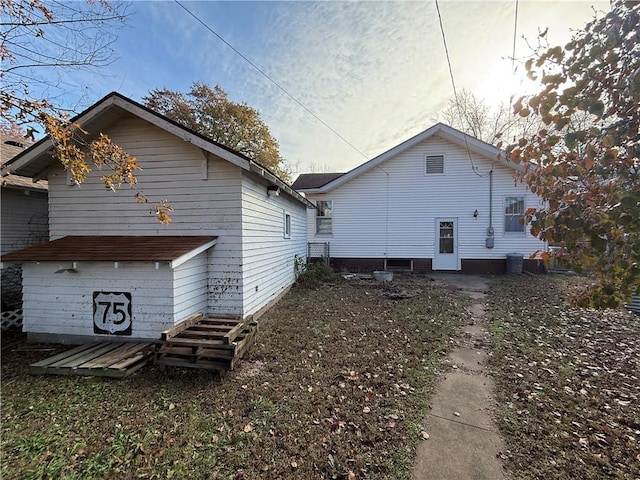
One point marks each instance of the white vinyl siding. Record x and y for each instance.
(62, 303)
(24, 219)
(391, 213)
(269, 254)
(190, 281)
(171, 169)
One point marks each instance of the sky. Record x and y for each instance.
(374, 72)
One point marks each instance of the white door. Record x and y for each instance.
(446, 254)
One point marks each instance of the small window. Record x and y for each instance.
(287, 225)
(397, 264)
(324, 213)
(514, 214)
(434, 164)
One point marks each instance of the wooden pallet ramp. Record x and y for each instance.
(206, 343)
(104, 359)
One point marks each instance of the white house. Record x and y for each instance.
(112, 269)
(24, 219)
(439, 201)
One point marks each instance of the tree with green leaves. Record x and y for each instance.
(209, 112)
(588, 171)
(40, 43)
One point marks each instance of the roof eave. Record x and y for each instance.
(459, 138)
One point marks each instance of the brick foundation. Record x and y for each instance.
(494, 266)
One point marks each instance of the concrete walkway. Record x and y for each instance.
(463, 440)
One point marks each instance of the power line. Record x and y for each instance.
(264, 74)
(455, 92)
(515, 29)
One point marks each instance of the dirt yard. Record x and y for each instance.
(338, 388)
(568, 382)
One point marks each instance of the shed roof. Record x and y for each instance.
(314, 180)
(175, 249)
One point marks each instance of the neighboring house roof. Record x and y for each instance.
(9, 148)
(175, 249)
(451, 134)
(313, 180)
(34, 161)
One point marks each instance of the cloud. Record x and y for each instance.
(375, 72)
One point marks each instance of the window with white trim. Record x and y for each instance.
(287, 225)
(324, 217)
(514, 214)
(434, 165)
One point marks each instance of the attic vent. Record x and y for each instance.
(14, 143)
(435, 164)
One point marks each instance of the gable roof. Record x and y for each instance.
(440, 129)
(314, 180)
(34, 161)
(174, 249)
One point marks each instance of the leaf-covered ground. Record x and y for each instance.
(567, 381)
(337, 387)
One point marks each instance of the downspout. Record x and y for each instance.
(489, 240)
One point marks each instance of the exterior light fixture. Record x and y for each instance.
(273, 190)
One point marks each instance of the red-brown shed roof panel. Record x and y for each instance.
(111, 249)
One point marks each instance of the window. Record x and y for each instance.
(434, 164)
(287, 225)
(324, 210)
(514, 214)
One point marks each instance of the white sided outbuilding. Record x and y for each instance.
(441, 200)
(111, 268)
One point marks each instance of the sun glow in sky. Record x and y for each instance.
(375, 71)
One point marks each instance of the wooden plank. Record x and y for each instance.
(214, 353)
(218, 321)
(171, 350)
(176, 329)
(190, 333)
(201, 343)
(83, 356)
(124, 351)
(232, 334)
(210, 328)
(60, 356)
(92, 355)
(80, 360)
(245, 345)
(140, 356)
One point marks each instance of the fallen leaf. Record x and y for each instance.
(248, 428)
(424, 435)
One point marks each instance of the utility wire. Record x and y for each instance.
(264, 74)
(455, 92)
(515, 30)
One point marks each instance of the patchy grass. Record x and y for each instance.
(567, 382)
(337, 388)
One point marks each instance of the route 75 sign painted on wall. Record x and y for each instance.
(112, 313)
